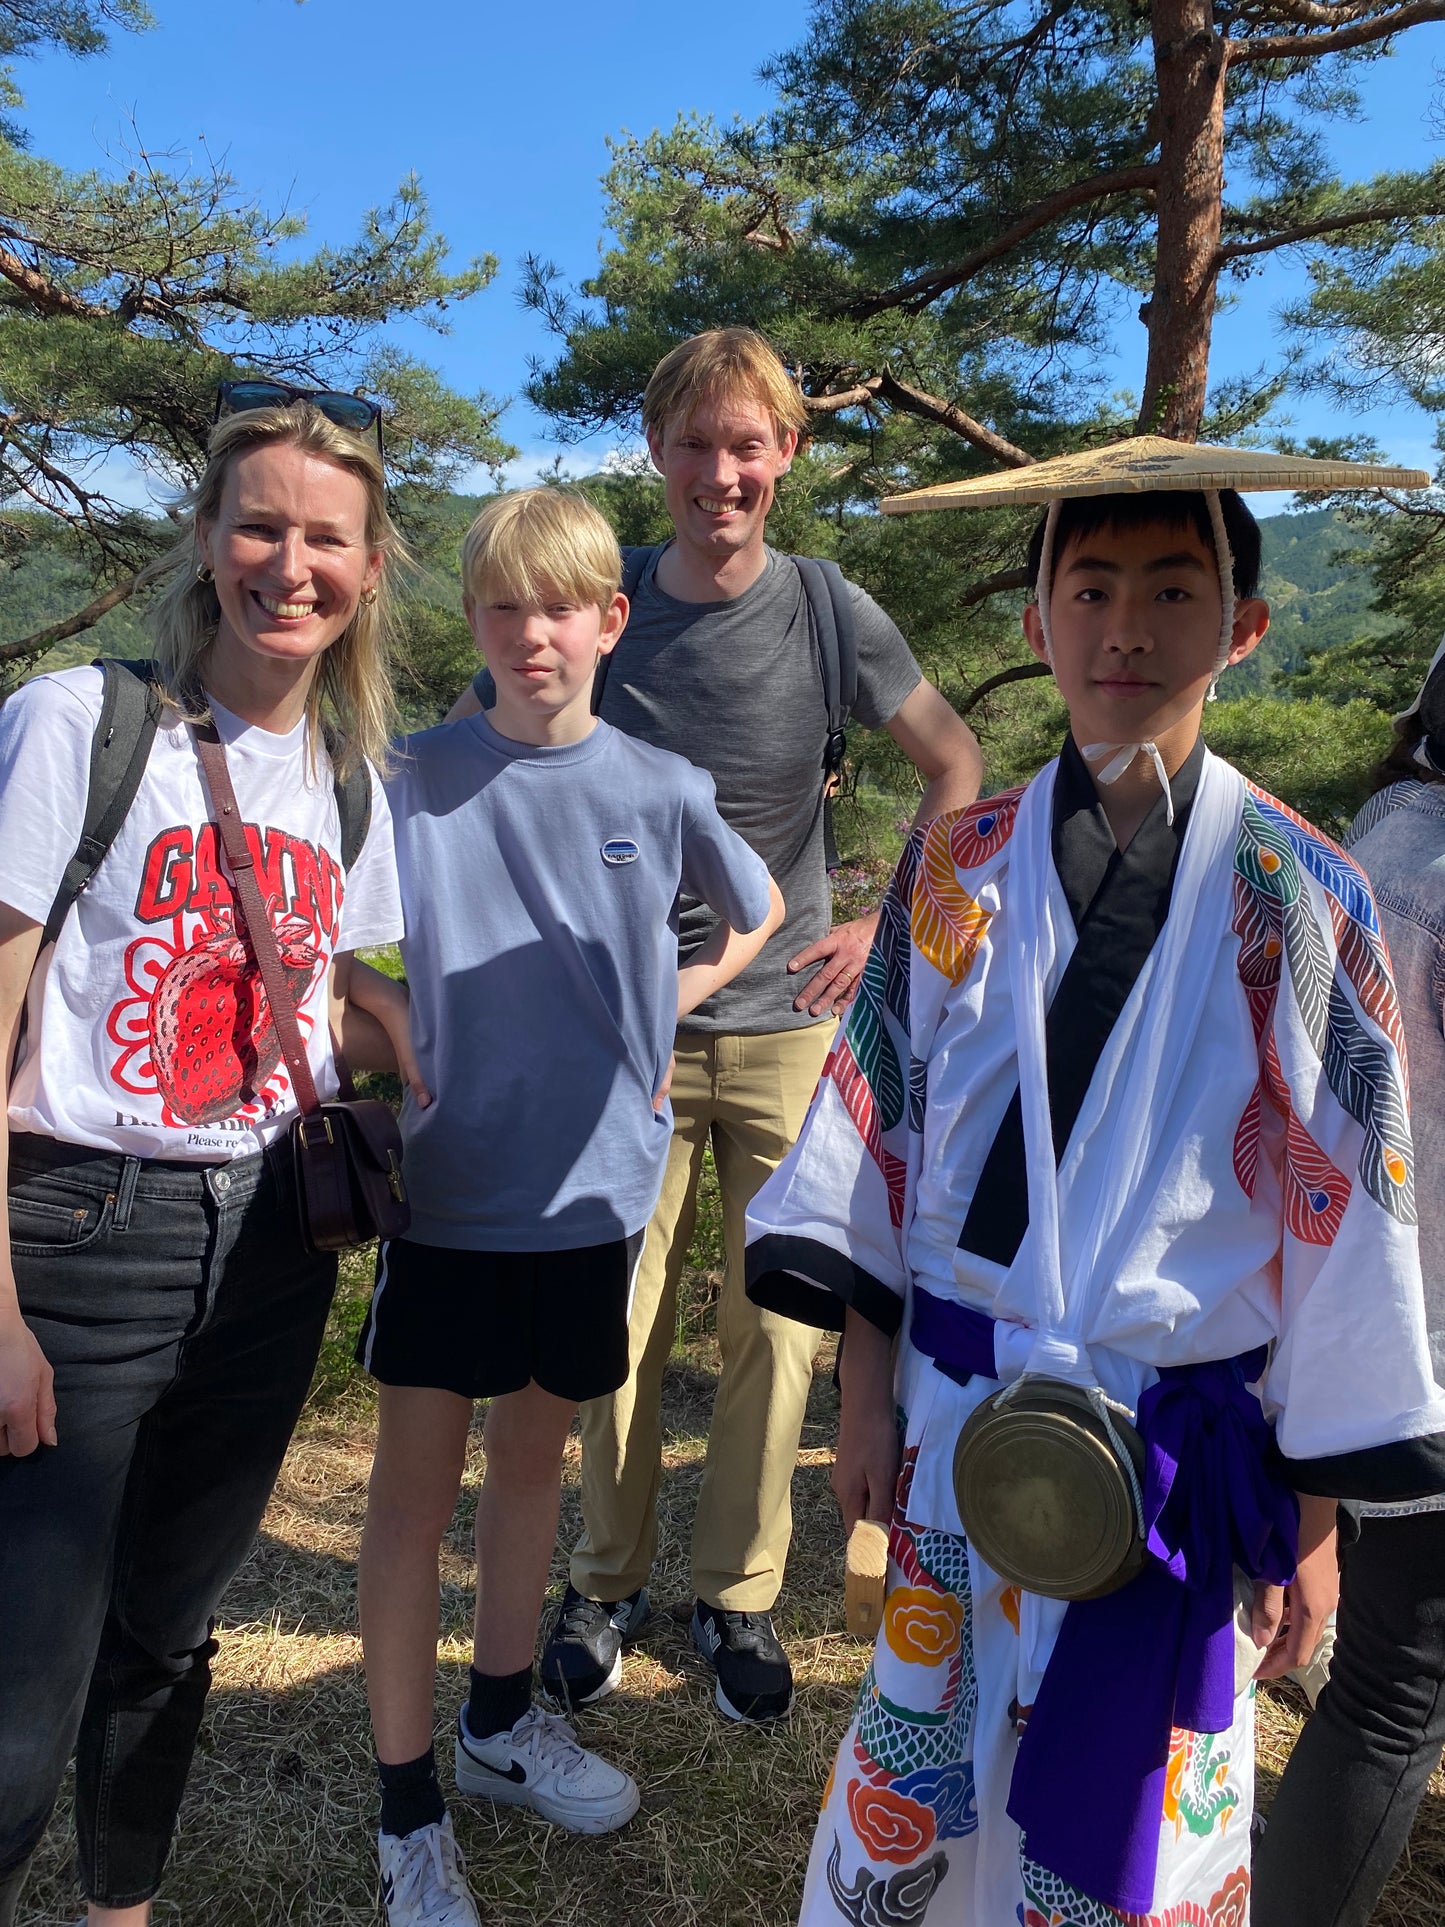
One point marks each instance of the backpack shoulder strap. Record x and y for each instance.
(120, 748)
(835, 633)
(353, 799)
(635, 563)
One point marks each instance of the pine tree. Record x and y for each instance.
(126, 296)
(955, 213)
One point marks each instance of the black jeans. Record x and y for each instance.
(182, 1315)
(1344, 1808)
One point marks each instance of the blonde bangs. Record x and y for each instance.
(537, 543)
(724, 365)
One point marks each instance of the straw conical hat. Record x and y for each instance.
(1150, 462)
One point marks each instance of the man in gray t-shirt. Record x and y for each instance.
(718, 663)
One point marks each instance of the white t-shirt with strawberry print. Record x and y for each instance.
(147, 1030)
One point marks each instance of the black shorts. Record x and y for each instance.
(481, 1323)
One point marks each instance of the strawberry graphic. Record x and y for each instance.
(213, 1043)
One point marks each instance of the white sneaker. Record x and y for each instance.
(424, 1878)
(540, 1765)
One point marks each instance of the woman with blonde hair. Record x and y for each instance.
(160, 1310)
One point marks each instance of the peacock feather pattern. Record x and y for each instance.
(947, 925)
(1276, 857)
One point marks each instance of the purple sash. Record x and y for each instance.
(1158, 1653)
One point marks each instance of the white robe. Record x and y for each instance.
(1239, 1175)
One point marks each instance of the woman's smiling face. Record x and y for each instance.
(289, 552)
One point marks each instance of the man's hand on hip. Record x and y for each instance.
(840, 956)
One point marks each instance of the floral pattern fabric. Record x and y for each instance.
(914, 1830)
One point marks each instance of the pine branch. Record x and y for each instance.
(946, 414)
(994, 584)
(75, 625)
(834, 404)
(1311, 230)
(1312, 46)
(923, 288)
(43, 295)
(1315, 13)
(1021, 672)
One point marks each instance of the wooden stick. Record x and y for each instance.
(865, 1578)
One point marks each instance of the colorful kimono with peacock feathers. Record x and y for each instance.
(1228, 1098)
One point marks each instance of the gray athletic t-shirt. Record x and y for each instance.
(541, 950)
(736, 688)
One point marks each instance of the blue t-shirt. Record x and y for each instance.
(540, 888)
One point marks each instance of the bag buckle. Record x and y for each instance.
(393, 1178)
(304, 1123)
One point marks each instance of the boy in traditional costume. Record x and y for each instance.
(1117, 1140)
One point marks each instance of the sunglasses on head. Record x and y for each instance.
(353, 412)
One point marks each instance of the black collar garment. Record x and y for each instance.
(1119, 900)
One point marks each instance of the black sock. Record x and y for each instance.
(497, 1701)
(411, 1796)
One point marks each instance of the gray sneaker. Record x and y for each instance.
(424, 1878)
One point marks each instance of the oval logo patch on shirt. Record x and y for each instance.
(618, 850)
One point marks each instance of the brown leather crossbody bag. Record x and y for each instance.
(348, 1151)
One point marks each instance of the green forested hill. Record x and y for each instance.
(1316, 598)
(47, 586)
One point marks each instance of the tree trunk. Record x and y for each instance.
(1189, 63)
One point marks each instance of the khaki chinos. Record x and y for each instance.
(749, 1094)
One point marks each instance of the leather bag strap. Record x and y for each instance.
(226, 815)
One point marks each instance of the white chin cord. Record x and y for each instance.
(1122, 755)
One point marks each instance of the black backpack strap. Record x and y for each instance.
(835, 634)
(130, 709)
(635, 564)
(353, 798)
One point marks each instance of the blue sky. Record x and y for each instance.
(504, 112)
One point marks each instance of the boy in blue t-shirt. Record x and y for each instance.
(541, 855)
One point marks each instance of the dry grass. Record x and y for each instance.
(279, 1818)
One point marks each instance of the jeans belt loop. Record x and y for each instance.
(125, 1192)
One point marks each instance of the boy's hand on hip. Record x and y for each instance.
(659, 1096)
(27, 1391)
(841, 956)
(410, 1071)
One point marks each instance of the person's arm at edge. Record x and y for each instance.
(941, 747)
(944, 751)
(718, 961)
(27, 1394)
(724, 954)
(1289, 1620)
(376, 1023)
(865, 1465)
